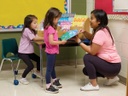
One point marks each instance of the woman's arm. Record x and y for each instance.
(88, 35)
(92, 49)
(37, 38)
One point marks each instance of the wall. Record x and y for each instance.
(119, 29)
(109, 8)
(13, 12)
(78, 7)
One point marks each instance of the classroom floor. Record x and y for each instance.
(71, 78)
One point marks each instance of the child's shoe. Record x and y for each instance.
(89, 87)
(24, 81)
(38, 74)
(57, 84)
(111, 81)
(52, 90)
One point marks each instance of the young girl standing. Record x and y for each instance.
(52, 48)
(26, 49)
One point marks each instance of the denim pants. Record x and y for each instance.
(50, 69)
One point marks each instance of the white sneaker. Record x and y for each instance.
(24, 81)
(111, 81)
(89, 87)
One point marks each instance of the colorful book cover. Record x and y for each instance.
(79, 20)
(65, 21)
(69, 34)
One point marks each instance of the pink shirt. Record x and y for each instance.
(108, 50)
(51, 49)
(26, 45)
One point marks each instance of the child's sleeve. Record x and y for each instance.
(51, 30)
(29, 34)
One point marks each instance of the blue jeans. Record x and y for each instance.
(50, 70)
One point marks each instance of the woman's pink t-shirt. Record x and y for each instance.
(108, 50)
(51, 49)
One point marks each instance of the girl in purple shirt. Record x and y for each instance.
(26, 49)
(52, 48)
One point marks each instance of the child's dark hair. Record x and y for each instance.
(27, 22)
(101, 16)
(51, 14)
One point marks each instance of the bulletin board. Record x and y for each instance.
(120, 5)
(106, 5)
(13, 12)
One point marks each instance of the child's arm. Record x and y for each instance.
(52, 42)
(38, 38)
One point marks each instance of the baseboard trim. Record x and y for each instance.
(122, 79)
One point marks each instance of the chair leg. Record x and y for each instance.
(13, 69)
(18, 64)
(1, 64)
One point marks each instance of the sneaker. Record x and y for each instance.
(24, 81)
(89, 87)
(52, 90)
(111, 81)
(38, 74)
(57, 84)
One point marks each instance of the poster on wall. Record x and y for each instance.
(107, 5)
(120, 5)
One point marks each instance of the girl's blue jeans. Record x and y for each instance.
(50, 69)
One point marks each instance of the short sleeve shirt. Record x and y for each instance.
(26, 45)
(51, 49)
(108, 50)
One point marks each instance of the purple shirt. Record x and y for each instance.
(51, 49)
(26, 45)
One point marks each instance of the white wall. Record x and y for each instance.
(119, 30)
(90, 6)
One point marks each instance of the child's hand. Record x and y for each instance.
(63, 41)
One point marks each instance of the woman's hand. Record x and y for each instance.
(81, 31)
(77, 39)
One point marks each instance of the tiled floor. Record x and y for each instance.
(71, 78)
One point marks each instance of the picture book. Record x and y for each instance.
(69, 34)
(79, 20)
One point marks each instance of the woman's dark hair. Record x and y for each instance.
(27, 22)
(51, 14)
(101, 17)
